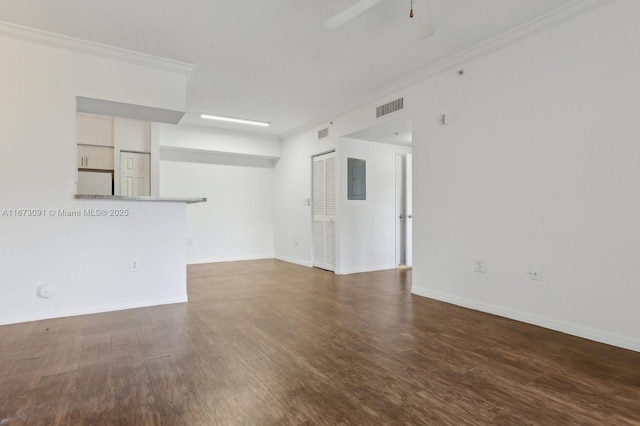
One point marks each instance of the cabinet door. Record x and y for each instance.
(98, 157)
(92, 129)
(80, 157)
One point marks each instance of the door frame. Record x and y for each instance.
(311, 215)
(404, 207)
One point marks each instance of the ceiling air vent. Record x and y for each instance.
(390, 107)
(324, 133)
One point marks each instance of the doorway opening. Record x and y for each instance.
(387, 239)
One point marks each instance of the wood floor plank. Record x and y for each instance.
(64, 356)
(94, 399)
(176, 402)
(269, 343)
(19, 393)
(54, 399)
(133, 395)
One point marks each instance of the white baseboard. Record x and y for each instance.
(361, 269)
(300, 262)
(228, 259)
(86, 310)
(343, 271)
(561, 326)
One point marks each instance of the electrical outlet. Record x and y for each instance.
(134, 265)
(480, 265)
(535, 273)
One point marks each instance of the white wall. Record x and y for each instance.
(86, 259)
(367, 228)
(237, 221)
(539, 165)
(234, 170)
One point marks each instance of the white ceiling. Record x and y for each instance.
(271, 60)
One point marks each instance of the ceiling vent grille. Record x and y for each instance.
(390, 107)
(324, 133)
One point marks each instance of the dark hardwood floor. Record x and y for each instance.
(266, 342)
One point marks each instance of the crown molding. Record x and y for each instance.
(96, 49)
(507, 38)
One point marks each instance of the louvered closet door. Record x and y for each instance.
(324, 211)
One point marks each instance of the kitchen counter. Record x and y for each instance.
(188, 200)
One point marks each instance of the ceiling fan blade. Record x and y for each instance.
(422, 23)
(349, 13)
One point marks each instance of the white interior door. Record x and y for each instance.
(401, 223)
(409, 210)
(404, 208)
(135, 177)
(324, 211)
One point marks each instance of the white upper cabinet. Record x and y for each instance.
(94, 129)
(95, 157)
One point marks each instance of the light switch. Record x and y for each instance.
(535, 273)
